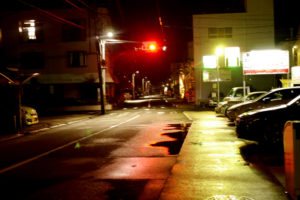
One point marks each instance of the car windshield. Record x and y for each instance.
(285, 94)
(231, 92)
(254, 96)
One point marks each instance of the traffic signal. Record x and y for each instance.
(150, 46)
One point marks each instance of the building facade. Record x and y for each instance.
(61, 46)
(250, 29)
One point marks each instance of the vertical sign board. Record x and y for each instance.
(232, 56)
(296, 74)
(266, 62)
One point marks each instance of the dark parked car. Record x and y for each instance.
(266, 125)
(274, 97)
(224, 105)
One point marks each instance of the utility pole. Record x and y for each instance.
(99, 62)
(99, 67)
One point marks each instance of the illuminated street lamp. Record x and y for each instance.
(100, 46)
(219, 52)
(133, 83)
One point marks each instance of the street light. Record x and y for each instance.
(219, 52)
(133, 84)
(100, 46)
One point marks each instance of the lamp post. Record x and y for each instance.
(219, 52)
(100, 47)
(133, 84)
(147, 87)
(143, 84)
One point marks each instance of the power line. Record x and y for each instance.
(57, 18)
(75, 6)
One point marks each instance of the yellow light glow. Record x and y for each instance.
(219, 51)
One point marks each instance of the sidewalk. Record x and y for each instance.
(210, 166)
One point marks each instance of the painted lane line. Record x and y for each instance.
(63, 146)
(187, 116)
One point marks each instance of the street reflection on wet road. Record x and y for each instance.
(179, 135)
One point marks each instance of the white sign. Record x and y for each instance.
(266, 62)
(212, 75)
(209, 62)
(296, 73)
(232, 56)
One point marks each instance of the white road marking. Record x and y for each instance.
(63, 146)
(187, 116)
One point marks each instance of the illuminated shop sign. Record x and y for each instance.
(266, 62)
(232, 56)
(210, 62)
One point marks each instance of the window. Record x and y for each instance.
(77, 59)
(73, 33)
(30, 31)
(32, 60)
(220, 32)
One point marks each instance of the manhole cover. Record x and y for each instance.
(228, 197)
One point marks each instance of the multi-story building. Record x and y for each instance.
(61, 46)
(251, 28)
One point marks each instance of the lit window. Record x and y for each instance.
(77, 58)
(30, 30)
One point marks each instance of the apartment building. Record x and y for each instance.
(61, 46)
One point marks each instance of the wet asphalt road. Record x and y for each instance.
(125, 154)
(133, 153)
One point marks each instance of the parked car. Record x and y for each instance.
(29, 115)
(266, 125)
(224, 105)
(274, 97)
(235, 94)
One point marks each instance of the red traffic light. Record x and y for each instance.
(150, 46)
